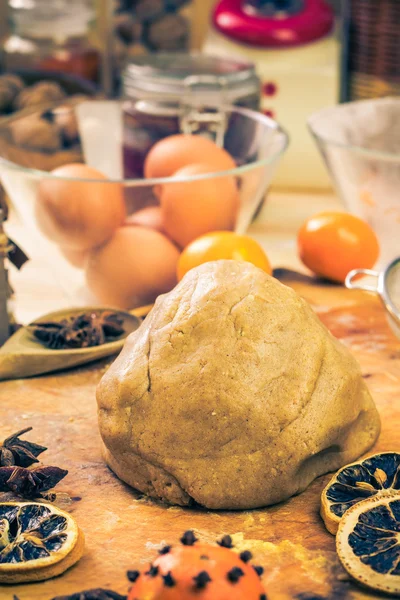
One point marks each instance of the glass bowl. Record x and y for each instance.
(96, 135)
(360, 143)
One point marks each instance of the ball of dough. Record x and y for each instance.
(232, 394)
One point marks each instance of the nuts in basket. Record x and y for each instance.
(40, 93)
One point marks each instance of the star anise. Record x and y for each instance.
(30, 483)
(83, 331)
(93, 595)
(14, 451)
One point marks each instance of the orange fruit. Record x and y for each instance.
(198, 571)
(222, 245)
(331, 244)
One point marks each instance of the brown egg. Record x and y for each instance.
(178, 151)
(79, 214)
(76, 258)
(191, 209)
(132, 268)
(150, 217)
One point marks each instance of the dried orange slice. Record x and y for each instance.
(377, 475)
(368, 542)
(37, 541)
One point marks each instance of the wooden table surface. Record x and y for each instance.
(123, 529)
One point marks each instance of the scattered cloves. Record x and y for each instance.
(201, 580)
(169, 581)
(226, 542)
(235, 574)
(188, 538)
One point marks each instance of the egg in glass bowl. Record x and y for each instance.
(106, 238)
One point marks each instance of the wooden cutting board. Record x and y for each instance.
(123, 530)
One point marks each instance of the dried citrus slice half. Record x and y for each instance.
(368, 542)
(37, 541)
(377, 475)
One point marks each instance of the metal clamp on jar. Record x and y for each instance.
(168, 94)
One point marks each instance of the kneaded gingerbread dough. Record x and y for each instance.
(232, 394)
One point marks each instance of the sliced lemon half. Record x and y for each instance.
(377, 475)
(368, 543)
(37, 541)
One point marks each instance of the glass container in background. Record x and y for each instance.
(172, 93)
(52, 35)
(148, 26)
(360, 144)
(371, 49)
(296, 53)
(100, 127)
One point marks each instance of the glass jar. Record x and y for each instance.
(52, 35)
(180, 93)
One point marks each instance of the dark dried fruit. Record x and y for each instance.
(84, 331)
(98, 594)
(30, 483)
(17, 452)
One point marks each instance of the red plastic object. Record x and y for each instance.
(314, 21)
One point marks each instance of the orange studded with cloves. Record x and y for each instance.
(201, 571)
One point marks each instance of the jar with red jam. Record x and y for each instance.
(167, 94)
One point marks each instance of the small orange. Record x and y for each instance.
(198, 571)
(222, 245)
(331, 244)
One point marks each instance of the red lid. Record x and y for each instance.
(274, 23)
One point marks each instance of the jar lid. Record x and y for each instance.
(172, 74)
(274, 23)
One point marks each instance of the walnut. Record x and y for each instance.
(175, 4)
(128, 28)
(169, 33)
(7, 95)
(40, 93)
(35, 133)
(123, 5)
(147, 10)
(13, 81)
(10, 86)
